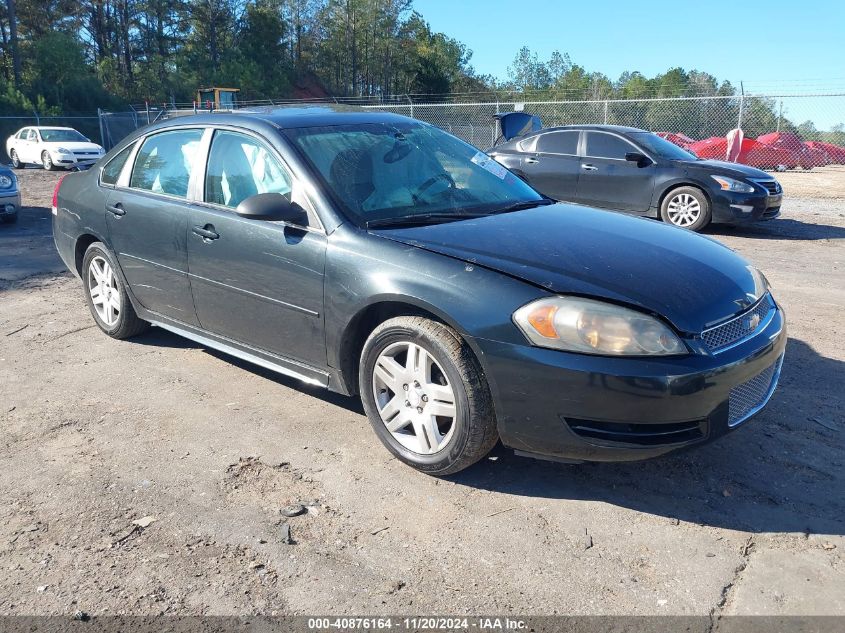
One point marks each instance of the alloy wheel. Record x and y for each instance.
(684, 210)
(105, 294)
(48, 162)
(15, 160)
(414, 398)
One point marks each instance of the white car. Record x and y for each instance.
(52, 148)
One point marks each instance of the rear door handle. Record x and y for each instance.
(588, 167)
(206, 232)
(116, 209)
(531, 161)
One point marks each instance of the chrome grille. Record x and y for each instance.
(749, 397)
(740, 327)
(772, 186)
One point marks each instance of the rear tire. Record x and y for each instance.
(687, 208)
(106, 295)
(425, 395)
(16, 161)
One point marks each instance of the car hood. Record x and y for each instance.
(724, 168)
(690, 280)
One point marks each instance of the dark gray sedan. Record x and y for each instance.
(373, 254)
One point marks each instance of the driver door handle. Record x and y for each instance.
(530, 160)
(588, 167)
(206, 232)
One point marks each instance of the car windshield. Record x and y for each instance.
(661, 147)
(61, 136)
(384, 172)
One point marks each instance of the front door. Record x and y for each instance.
(553, 168)
(148, 223)
(256, 282)
(608, 180)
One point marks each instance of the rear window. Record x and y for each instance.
(164, 162)
(558, 143)
(111, 172)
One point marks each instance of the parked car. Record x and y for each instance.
(10, 196)
(631, 170)
(52, 148)
(377, 255)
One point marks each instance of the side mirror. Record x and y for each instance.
(272, 207)
(636, 157)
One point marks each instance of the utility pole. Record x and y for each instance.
(741, 104)
(780, 114)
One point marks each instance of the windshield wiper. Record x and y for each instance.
(525, 204)
(421, 218)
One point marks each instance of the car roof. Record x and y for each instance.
(287, 117)
(49, 127)
(598, 128)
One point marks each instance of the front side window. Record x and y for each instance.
(164, 162)
(111, 172)
(240, 167)
(380, 172)
(600, 145)
(558, 143)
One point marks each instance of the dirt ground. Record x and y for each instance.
(147, 476)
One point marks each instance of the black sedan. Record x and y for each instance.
(635, 171)
(376, 255)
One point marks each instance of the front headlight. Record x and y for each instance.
(729, 184)
(594, 327)
(62, 150)
(6, 181)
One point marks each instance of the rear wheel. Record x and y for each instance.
(106, 295)
(426, 396)
(687, 208)
(16, 161)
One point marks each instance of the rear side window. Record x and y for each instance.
(558, 143)
(111, 172)
(23, 134)
(240, 167)
(164, 162)
(600, 145)
(33, 136)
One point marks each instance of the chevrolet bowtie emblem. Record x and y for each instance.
(753, 321)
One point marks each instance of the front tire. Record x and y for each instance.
(106, 295)
(687, 208)
(47, 161)
(426, 396)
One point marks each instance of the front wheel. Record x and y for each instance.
(687, 208)
(426, 396)
(47, 161)
(106, 295)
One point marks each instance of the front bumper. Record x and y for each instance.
(589, 408)
(741, 208)
(10, 202)
(71, 160)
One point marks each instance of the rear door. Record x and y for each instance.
(608, 180)
(552, 164)
(257, 282)
(147, 215)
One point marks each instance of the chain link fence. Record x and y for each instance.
(798, 131)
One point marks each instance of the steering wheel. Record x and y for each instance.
(428, 183)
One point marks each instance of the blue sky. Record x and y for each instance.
(774, 46)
